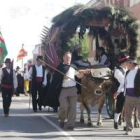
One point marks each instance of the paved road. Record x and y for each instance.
(24, 124)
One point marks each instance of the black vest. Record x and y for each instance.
(7, 78)
(136, 83)
(34, 72)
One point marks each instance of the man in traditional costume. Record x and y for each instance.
(63, 92)
(37, 76)
(20, 79)
(132, 99)
(8, 83)
(119, 76)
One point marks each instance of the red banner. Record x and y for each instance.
(22, 53)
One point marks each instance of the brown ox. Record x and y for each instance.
(93, 92)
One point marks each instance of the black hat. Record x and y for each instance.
(76, 47)
(17, 68)
(8, 60)
(123, 57)
(133, 60)
(39, 57)
(102, 50)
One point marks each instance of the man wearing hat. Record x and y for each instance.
(20, 79)
(132, 93)
(17, 68)
(77, 59)
(62, 91)
(8, 83)
(119, 76)
(37, 76)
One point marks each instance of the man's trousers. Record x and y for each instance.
(6, 95)
(37, 95)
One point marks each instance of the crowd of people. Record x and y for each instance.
(62, 91)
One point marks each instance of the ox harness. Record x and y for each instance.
(98, 74)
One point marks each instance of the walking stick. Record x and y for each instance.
(30, 96)
(62, 73)
(29, 100)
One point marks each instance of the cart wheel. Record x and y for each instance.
(109, 106)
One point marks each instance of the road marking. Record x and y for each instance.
(58, 128)
(17, 98)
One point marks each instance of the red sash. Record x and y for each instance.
(7, 86)
(39, 79)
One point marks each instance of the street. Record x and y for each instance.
(24, 124)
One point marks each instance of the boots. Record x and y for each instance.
(115, 125)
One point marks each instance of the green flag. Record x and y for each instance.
(3, 49)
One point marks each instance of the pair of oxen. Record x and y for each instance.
(95, 87)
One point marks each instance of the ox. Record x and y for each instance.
(97, 84)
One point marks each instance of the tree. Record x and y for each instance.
(83, 42)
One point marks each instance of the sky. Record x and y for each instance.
(22, 21)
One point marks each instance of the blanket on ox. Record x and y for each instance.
(97, 72)
(101, 72)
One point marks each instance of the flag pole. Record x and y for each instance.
(22, 58)
(22, 64)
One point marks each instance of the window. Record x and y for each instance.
(113, 1)
(133, 2)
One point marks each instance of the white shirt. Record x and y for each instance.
(39, 73)
(131, 77)
(14, 77)
(103, 59)
(26, 76)
(67, 82)
(121, 78)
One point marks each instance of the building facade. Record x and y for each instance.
(132, 5)
(38, 50)
(123, 3)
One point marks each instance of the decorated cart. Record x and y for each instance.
(113, 28)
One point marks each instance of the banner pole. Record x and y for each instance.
(22, 64)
